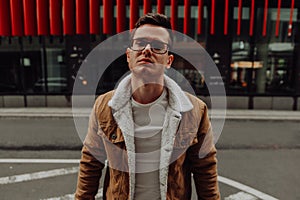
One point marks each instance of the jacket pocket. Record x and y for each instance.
(112, 134)
(185, 138)
(115, 148)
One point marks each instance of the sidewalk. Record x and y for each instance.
(54, 129)
(84, 112)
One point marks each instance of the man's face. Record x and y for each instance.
(151, 61)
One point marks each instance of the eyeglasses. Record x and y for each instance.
(156, 46)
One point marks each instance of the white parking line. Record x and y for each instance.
(37, 175)
(72, 170)
(245, 188)
(240, 196)
(21, 160)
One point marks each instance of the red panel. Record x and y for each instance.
(147, 6)
(240, 9)
(16, 11)
(278, 19)
(107, 16)
(265, 18)
(174, 14)
(212, 23)
(134, 12)
(4, 18)
(187, 16)
(291, 18)
(94, 16)
(226, 18)
(29, 17)
(121, 16)
(200, 16)
(161, 6)
(55, 17)
(81, 17)
(69, 17)
(252, 18)
(42, 17)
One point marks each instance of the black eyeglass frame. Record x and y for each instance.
(167, 46)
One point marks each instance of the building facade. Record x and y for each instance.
(254, 43)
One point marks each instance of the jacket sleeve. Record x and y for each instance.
(91, 163)
(202, 157)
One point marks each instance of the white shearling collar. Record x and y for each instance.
(177, 98)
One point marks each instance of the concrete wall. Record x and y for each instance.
(1, 101)
(259, 103)
(282, 103)
(13, 101)
(237, 102)
(34, 101)
(273, 103)
(264, 103)
(233, 102)
(58, 101)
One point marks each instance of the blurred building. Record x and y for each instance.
(254, 43)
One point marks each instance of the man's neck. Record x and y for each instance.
(147, 90)
(147, 93)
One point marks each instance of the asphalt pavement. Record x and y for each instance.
(55, 128)
(258, 148)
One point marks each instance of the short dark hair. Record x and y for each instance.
(157, 20)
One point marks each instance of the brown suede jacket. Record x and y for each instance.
(187, 148)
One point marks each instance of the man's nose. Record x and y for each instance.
(148, 46)
(147, 49)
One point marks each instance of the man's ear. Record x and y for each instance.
(170, 60)
(127, 54)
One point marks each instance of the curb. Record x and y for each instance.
(277, 115)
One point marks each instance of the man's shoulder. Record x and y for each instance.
(105, 96)
(102, 100)
(196, 101)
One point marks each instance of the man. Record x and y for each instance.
(153, 135)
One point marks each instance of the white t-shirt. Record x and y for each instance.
(148, 119)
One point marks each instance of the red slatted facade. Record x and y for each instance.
(69, 17)
(81, 17)
(226, 17)
(161, 6)
(42, 11)
(278, 19)
(187, 16)
(252, 17)
(291, 18)
(134, 12)
(174, 14)
(200, 16)
(55, 17)
(240, 10)
(212, 17)
(121, 16)
(94, 13)
(29, 11)
(264, 32)
(147, 6)
(107, 16)
(5, 23)
(16, 11)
